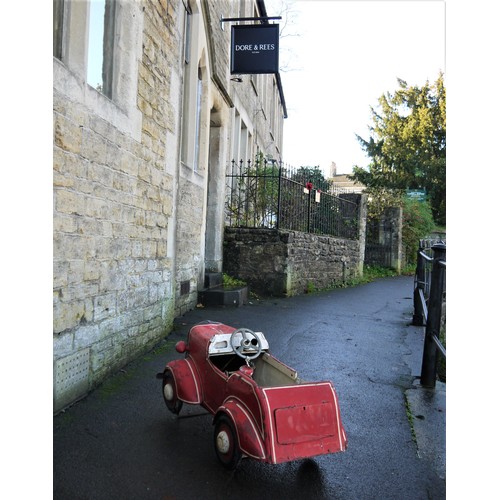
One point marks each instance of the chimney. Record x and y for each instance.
(333, 169)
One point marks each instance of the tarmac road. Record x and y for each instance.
(121, 442)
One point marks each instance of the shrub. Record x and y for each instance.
(417, 224)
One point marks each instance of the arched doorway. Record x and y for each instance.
(214, 233)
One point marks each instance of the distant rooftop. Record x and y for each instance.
(341, 182)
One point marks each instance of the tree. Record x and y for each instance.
(252, 199)
(314, 175)
(407, 146)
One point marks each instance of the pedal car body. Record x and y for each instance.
(261, 408)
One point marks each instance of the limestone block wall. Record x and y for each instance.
(114, 279)
(285, 263)
(220, 38)
(318, 262)
(189, 241)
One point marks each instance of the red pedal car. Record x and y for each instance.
(261, 408)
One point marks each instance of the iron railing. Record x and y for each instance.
(266, 194)
(428, 295)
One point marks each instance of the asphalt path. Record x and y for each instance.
(120, 442)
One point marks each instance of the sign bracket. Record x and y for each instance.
(238, 19)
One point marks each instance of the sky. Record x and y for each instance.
(337, 57)
(96, 34)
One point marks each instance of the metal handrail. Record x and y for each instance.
(427, 309)
(439, 345)
(425, 256)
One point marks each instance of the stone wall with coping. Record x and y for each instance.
(286, 263)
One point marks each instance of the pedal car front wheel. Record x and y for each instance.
(226, 442)
(169, 390)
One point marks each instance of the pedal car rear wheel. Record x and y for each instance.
(169, 390)
(226, 442)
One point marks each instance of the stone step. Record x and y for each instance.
(213, 280)
(234, 296)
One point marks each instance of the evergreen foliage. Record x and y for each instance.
(407, 146)
(418, 223)
(314, 175)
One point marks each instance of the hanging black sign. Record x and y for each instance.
(254, 49)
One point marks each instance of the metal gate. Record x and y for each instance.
(379, 246)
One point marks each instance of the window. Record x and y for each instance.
(101, 45)
(187, 34)
(57, 27)
(256, 13)
(273, 103)
(195, 112)
(243, 142)
(264, 100)
(254, 80)
(236, 136)
(85, 49)
(197, 135)
(241, 9)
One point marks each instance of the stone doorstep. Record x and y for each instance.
(224, 296)
(213, 280)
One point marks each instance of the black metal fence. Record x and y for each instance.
(266, 194)
(428, 297)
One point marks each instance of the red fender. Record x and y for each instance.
(186, 381)
(249, 440)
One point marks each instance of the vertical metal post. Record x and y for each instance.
(233, 187)
(418, 310)
(309, 211)
(279, 196)
(430, 356)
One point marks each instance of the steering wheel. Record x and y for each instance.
(249, 342)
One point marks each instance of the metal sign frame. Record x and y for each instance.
(254, 49)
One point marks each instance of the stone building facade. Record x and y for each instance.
(141, 148)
